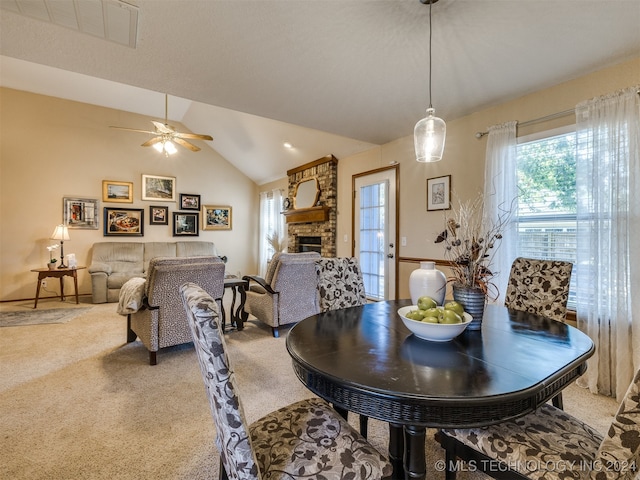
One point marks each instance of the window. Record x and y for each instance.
(546, 172)
(273, 233)
(372, 235)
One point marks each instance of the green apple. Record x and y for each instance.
(455, 306)
(432, 312)
(415, 315)
(430, 320)
(449, 316)
(425, 302)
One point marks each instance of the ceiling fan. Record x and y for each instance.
(166, 135)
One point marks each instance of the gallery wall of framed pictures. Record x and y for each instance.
(189, 218)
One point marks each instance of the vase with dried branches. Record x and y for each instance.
(471, 239)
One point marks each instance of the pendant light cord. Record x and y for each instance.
(430, 35)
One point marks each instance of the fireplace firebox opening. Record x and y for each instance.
(309, 244)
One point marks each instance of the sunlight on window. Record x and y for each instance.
(547, 200)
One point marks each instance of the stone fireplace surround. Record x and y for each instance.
(325, 170)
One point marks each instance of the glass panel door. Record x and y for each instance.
(374, 222)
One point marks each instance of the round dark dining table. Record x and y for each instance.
(364, 360)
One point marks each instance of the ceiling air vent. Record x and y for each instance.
(111, 20)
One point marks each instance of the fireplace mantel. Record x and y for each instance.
(306, 215)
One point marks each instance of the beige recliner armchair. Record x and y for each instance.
(162, 321)
(288, 293)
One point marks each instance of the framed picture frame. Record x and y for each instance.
(216, 217)
(117, 192)
(128, 222)
(189, 201)
(158, 215)
(158, 188)
(439, 193)
(185, 224)
(80, 213)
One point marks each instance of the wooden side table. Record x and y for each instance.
(238, 315)
(57, 273)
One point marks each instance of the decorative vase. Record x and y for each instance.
(473, 300)
(427, 280)
(52, 266)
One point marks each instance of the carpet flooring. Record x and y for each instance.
(78, 402)
(39, 317)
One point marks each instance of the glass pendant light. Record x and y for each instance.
(430, 132)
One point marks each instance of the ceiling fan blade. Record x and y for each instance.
(164, 132)
(163, 127)
(197, 136)
(153, 141)
(186, 144)
(133, 130)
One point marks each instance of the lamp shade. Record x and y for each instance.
(61, 232)
(428, 137)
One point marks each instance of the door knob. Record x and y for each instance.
(390, 255)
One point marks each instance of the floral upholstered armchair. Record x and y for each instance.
(303, 440)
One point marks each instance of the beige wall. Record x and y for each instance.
(53, 148)
(463, 159)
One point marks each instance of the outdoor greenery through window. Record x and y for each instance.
(546, 170)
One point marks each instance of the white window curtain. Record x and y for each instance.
(272, 224)
(608, 256)
(500, 198)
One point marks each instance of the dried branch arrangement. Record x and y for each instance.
(471, 240)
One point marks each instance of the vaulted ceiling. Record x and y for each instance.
(328, 76)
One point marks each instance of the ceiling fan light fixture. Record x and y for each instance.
(429, 133)
(165, 146)
(166, 136)
(169, 147)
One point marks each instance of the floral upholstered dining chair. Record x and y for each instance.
(340, 285)
(540, 287)
(307, 439)
(550, 444)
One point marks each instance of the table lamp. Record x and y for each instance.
(61, 232)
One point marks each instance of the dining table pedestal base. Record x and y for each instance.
(396, 450)
(415, 466)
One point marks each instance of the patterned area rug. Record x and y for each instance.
(39, 317)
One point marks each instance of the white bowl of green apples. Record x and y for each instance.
(429, 321)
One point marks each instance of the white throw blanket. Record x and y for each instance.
(131, 296)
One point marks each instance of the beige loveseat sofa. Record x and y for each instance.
(113, 263)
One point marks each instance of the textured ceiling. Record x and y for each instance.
(329, 76)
